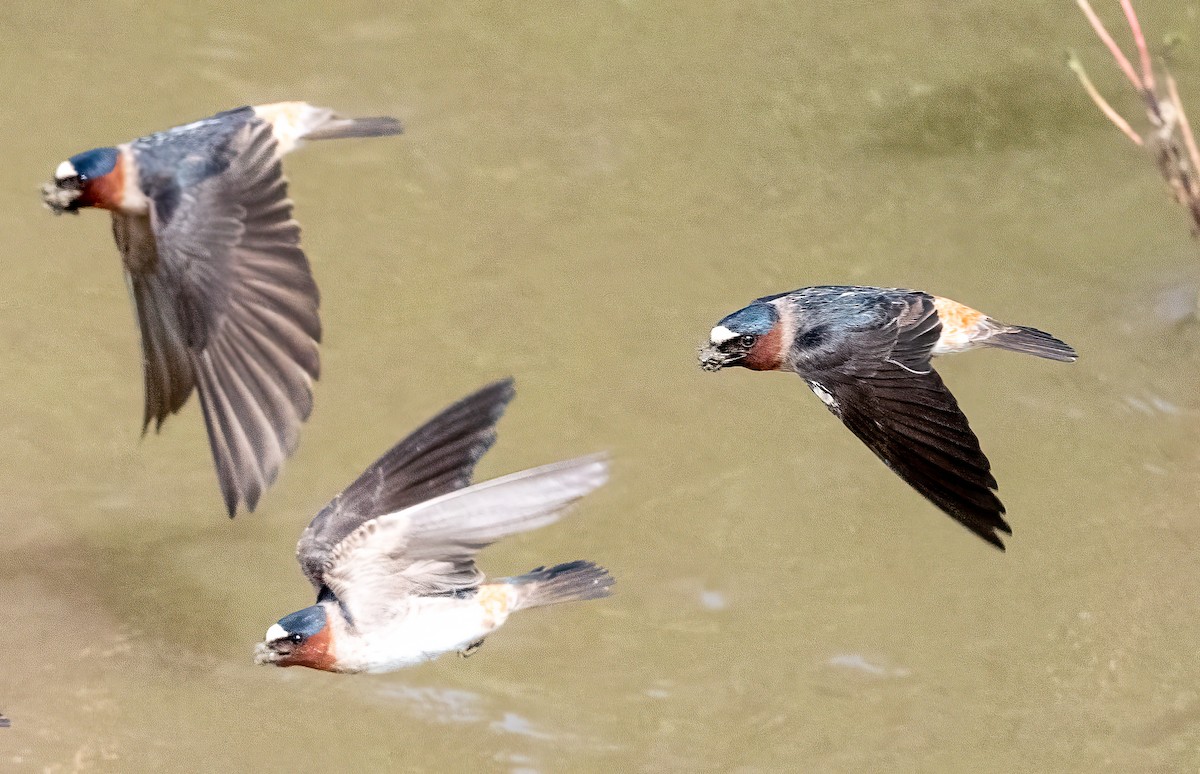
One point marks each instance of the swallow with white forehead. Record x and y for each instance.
(392, 558)
(866, 352)
(225, 299)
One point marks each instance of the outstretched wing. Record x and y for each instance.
(226, 302)
(430, 548)
(880, 383)
(437, 458)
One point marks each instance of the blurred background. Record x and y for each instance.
(584, 189)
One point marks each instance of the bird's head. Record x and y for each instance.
(303, 638)
(751, 337)
(89, 179)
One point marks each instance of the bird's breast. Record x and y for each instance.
(431, 627)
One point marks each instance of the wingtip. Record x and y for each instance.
(994, 540)
(988, 527)
(597, 465)
(234, 498)
(504, 388)
(600, 458)
(492, 400)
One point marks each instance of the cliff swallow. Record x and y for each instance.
(866, 354)
(392, 558)
(225, 299)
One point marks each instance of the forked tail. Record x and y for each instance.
(1031, 341)
(567, 582)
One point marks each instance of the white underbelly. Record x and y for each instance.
(421, 636)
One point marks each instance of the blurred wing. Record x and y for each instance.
(225, 300)
(430, 548)
(166, 365)
(888, 394)
(439, 457)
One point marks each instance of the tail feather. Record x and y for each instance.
(569, 582)
(1031, 341)
(338, 128)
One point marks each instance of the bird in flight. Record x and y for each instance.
(225, 299)
(392, 558)
(866, 352)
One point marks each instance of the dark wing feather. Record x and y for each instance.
(167, 370)
(439, 457)
(226, 301)
(885, 390)
(917, 429)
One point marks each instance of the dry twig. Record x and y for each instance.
(1170, 137)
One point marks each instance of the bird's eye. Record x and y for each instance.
(748, 341)
(296, 638)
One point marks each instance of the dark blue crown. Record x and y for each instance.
(308, 621)
(95, 163)
(757, 319)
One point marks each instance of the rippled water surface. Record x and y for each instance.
(584, 189)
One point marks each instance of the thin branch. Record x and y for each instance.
(1140, 41)
(1102, 103)
(1185, 128)
(1171, 142)
(1118, 55)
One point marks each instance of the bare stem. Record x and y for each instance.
(1118, 55)
(1102, 103)
(1139, 40)
(1185, 128)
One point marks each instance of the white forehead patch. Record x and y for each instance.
(721, 334)
(276, 632)
(65, 170)
(825, 395)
